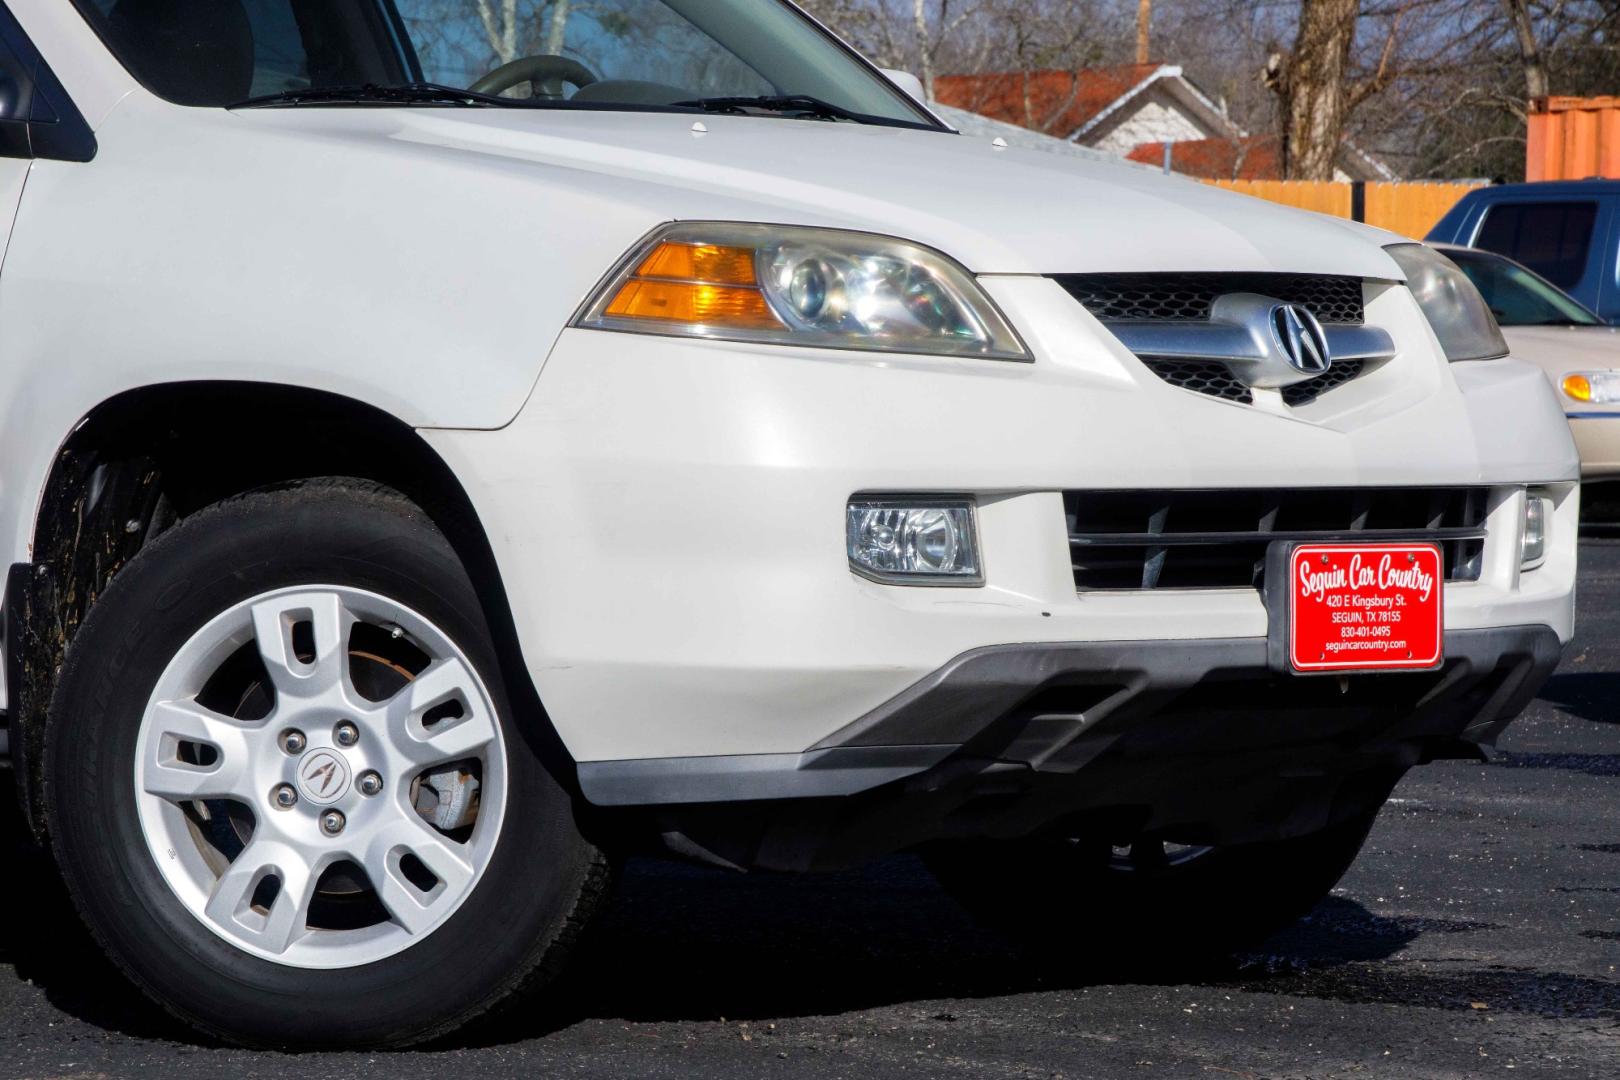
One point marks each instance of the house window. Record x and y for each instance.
(1550, 238)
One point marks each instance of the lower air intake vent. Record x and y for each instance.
(1218, 539)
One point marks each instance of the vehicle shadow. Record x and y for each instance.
(690, 944)
(683, 943)
(686, 944)
(1585, 695)
(704, 946)
(43, 941)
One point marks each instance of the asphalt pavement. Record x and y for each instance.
(1478, 935)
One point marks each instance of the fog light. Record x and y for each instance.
(913, 543)
(1533, 540)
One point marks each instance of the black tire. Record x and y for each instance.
(511, 932)
(1082, 902)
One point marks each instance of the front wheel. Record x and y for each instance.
(286, 788)
(1146, 902)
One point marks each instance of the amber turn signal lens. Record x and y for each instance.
(710, 264)
(1578, 387)
(711, 305)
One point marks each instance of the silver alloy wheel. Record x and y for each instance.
(193, 763)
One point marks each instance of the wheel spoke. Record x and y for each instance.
(412, 907)
(164, 774)
(443, 682)
(231, 903)
(274, 621)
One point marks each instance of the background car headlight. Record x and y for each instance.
(922, 542)
(801, 286)
(1593, 387)
(1457, 313)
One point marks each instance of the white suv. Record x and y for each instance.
(445, 453)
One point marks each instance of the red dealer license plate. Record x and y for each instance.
(1364, 607)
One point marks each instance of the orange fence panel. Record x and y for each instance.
(1323, 196)
(1410, 209)
(1572, 138)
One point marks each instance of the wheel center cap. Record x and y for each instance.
(323, 776)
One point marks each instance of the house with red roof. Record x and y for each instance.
(1135, 111)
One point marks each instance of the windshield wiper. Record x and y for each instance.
(415, 93)
(800, 104)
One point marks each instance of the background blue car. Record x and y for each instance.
(1566, 231)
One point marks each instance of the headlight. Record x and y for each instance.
(1593, 387)
(801, 286)
(1464, 324)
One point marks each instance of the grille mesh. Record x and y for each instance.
(1219, 538)
(1190, 297)
(1340, 373)
(1204, 377)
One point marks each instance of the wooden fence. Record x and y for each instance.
(1410, 209)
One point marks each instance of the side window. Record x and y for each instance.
(279, 59)
(1550, 238)
(218, 52)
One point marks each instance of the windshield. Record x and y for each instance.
(1518, 297)
(624, 54)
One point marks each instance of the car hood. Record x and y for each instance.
(1560, 349)
(996, 210)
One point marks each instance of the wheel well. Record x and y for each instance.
(144, 460)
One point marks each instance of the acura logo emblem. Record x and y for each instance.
(1301, 339)
(323, 776)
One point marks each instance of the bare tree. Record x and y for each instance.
(1524, 29)
(501, 27)
(1311, 83)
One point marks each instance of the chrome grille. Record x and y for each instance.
(1215, 539)
(1189, 297)
(1174, 323)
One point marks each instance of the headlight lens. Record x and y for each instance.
(802, 286)
(1593, 387)
(926, 542)
(1458, 314)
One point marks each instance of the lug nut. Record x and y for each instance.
(285, 797)
(332, 822)
(369, 783)
(293, 741)
(346, 734)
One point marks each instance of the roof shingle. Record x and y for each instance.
(1057, 103)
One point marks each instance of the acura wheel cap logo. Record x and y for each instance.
(323, 776)
(1301, 339)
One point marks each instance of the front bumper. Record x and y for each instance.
(1190, 742)
(668, 515)
(1050, 710)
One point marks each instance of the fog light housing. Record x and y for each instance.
(926, 541)
(1533, 537)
